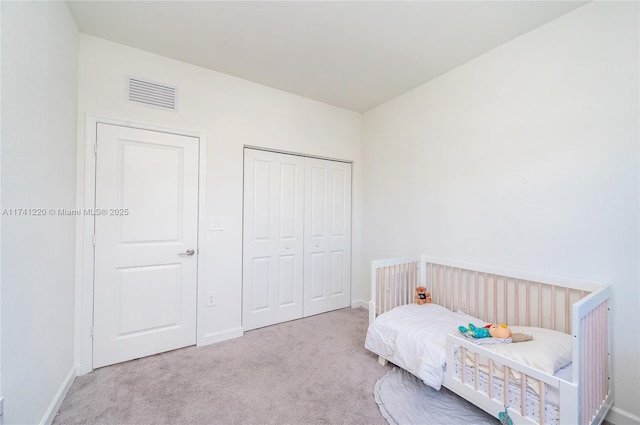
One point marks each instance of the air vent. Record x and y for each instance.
(151, 93)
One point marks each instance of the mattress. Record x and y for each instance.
(414, 337)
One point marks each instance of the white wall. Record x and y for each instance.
(526, 157)
(1, 393)
(231, 113)
(39, 95)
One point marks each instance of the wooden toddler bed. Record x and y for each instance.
(560, 377)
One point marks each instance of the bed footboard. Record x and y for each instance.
(584, 400)
(591, 356)
(487, 380)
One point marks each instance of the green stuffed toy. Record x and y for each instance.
(474, 331)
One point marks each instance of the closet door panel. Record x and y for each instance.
(317, 205)
(327, 236)
(289, 209)
(272, 238)
(261, 190)
(316, 275)
(287, 281)
(338, 272)
(260, 283)
(340, 213)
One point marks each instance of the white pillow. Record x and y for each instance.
(548, 351)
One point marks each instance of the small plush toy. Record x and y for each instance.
(520, 337)
(499, 331)
(489, 331)
(474, 331)
(422, 296)
(504, 417)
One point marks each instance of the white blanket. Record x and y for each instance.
(400, 336)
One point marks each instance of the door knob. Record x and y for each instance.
(189, 252)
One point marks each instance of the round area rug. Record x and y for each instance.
(405, 400)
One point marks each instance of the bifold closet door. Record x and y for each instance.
(272, 238)
(327, 236)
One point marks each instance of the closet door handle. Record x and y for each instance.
(188, 252)
(317, 245)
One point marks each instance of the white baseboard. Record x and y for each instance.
(360, 303)
(618, 416)
(214, 337)
(51, 412)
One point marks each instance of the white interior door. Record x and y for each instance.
(327, 266)
(273, 238)
(146, 243)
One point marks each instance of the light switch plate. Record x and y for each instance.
(216, 223)
(211, 298)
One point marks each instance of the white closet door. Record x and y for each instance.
(327, 265)
(272, 238)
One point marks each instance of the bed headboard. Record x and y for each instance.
(393, 283)
(492, 294)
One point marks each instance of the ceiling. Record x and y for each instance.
(351, 54)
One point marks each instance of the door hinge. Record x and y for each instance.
(91, 331)
(95, 148)
(93, 240)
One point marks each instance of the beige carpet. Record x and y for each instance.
(309, 371)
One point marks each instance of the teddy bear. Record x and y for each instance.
(422, 296)
(491, 330)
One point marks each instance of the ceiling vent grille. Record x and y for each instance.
(151, 93)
